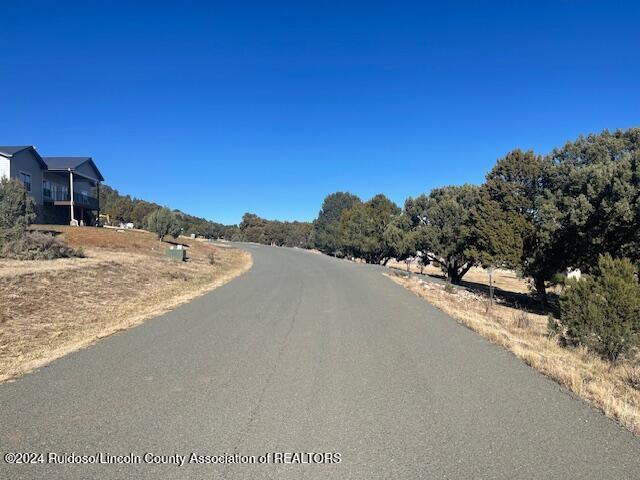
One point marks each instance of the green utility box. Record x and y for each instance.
(175, 254)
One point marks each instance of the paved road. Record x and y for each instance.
(306, 353)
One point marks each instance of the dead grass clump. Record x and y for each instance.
(450, 289)
(38, 246)
(613, 388)
(631, 375)
(522, 319)
(177, 275)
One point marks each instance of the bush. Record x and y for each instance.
(17, 209)
(163, 222)
(37, 246)
(602, 311)
(449, 288)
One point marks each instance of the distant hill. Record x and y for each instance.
(125, 208)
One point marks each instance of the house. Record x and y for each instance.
(65, 189)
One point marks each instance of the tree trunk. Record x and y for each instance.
(453, 275)
(541, 289)
(455, 271)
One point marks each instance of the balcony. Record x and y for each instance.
(63, 198)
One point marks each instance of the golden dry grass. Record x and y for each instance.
(612, 388)
(50, 308)
(506, 280)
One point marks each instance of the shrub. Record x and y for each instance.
(17, 209)
(449, 288)
(163, 222)
(37, 246)
(602, 312)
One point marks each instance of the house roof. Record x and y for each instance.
(10, 151)
(66, 163)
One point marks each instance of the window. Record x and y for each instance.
(25, 178)
(46, 189)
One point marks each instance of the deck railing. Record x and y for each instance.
(79, 199)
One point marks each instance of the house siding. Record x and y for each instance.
(88, 170)
(26, 162)
(5, 167)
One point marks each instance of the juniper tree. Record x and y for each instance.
(17, 209)
(163, 222)
(440, 222)
(326, 228)
(602, 312)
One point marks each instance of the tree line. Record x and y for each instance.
(538, 214)
(127, 209)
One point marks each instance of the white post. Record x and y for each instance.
(73, 219)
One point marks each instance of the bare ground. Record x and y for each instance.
(612, 388)
(51, 308)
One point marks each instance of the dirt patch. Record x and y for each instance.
(612, 388)
(50, 308)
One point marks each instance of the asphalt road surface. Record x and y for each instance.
(306, 353)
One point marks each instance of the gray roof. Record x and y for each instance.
(66, 163)
(13, 150)
(9, 151)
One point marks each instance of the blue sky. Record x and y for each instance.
(218, 108)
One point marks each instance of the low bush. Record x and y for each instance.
(37, 246)
(602, 311)
(449, 288)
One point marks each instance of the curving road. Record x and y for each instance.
(306, 353)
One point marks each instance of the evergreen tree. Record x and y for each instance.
(17, 209)
(602, 311)
(440, 222)
(163, 222)
(326, 228)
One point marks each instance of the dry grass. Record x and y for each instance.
(50, 308)
(506, 280)
(614, 389)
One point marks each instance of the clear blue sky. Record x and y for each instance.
(220, 108)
